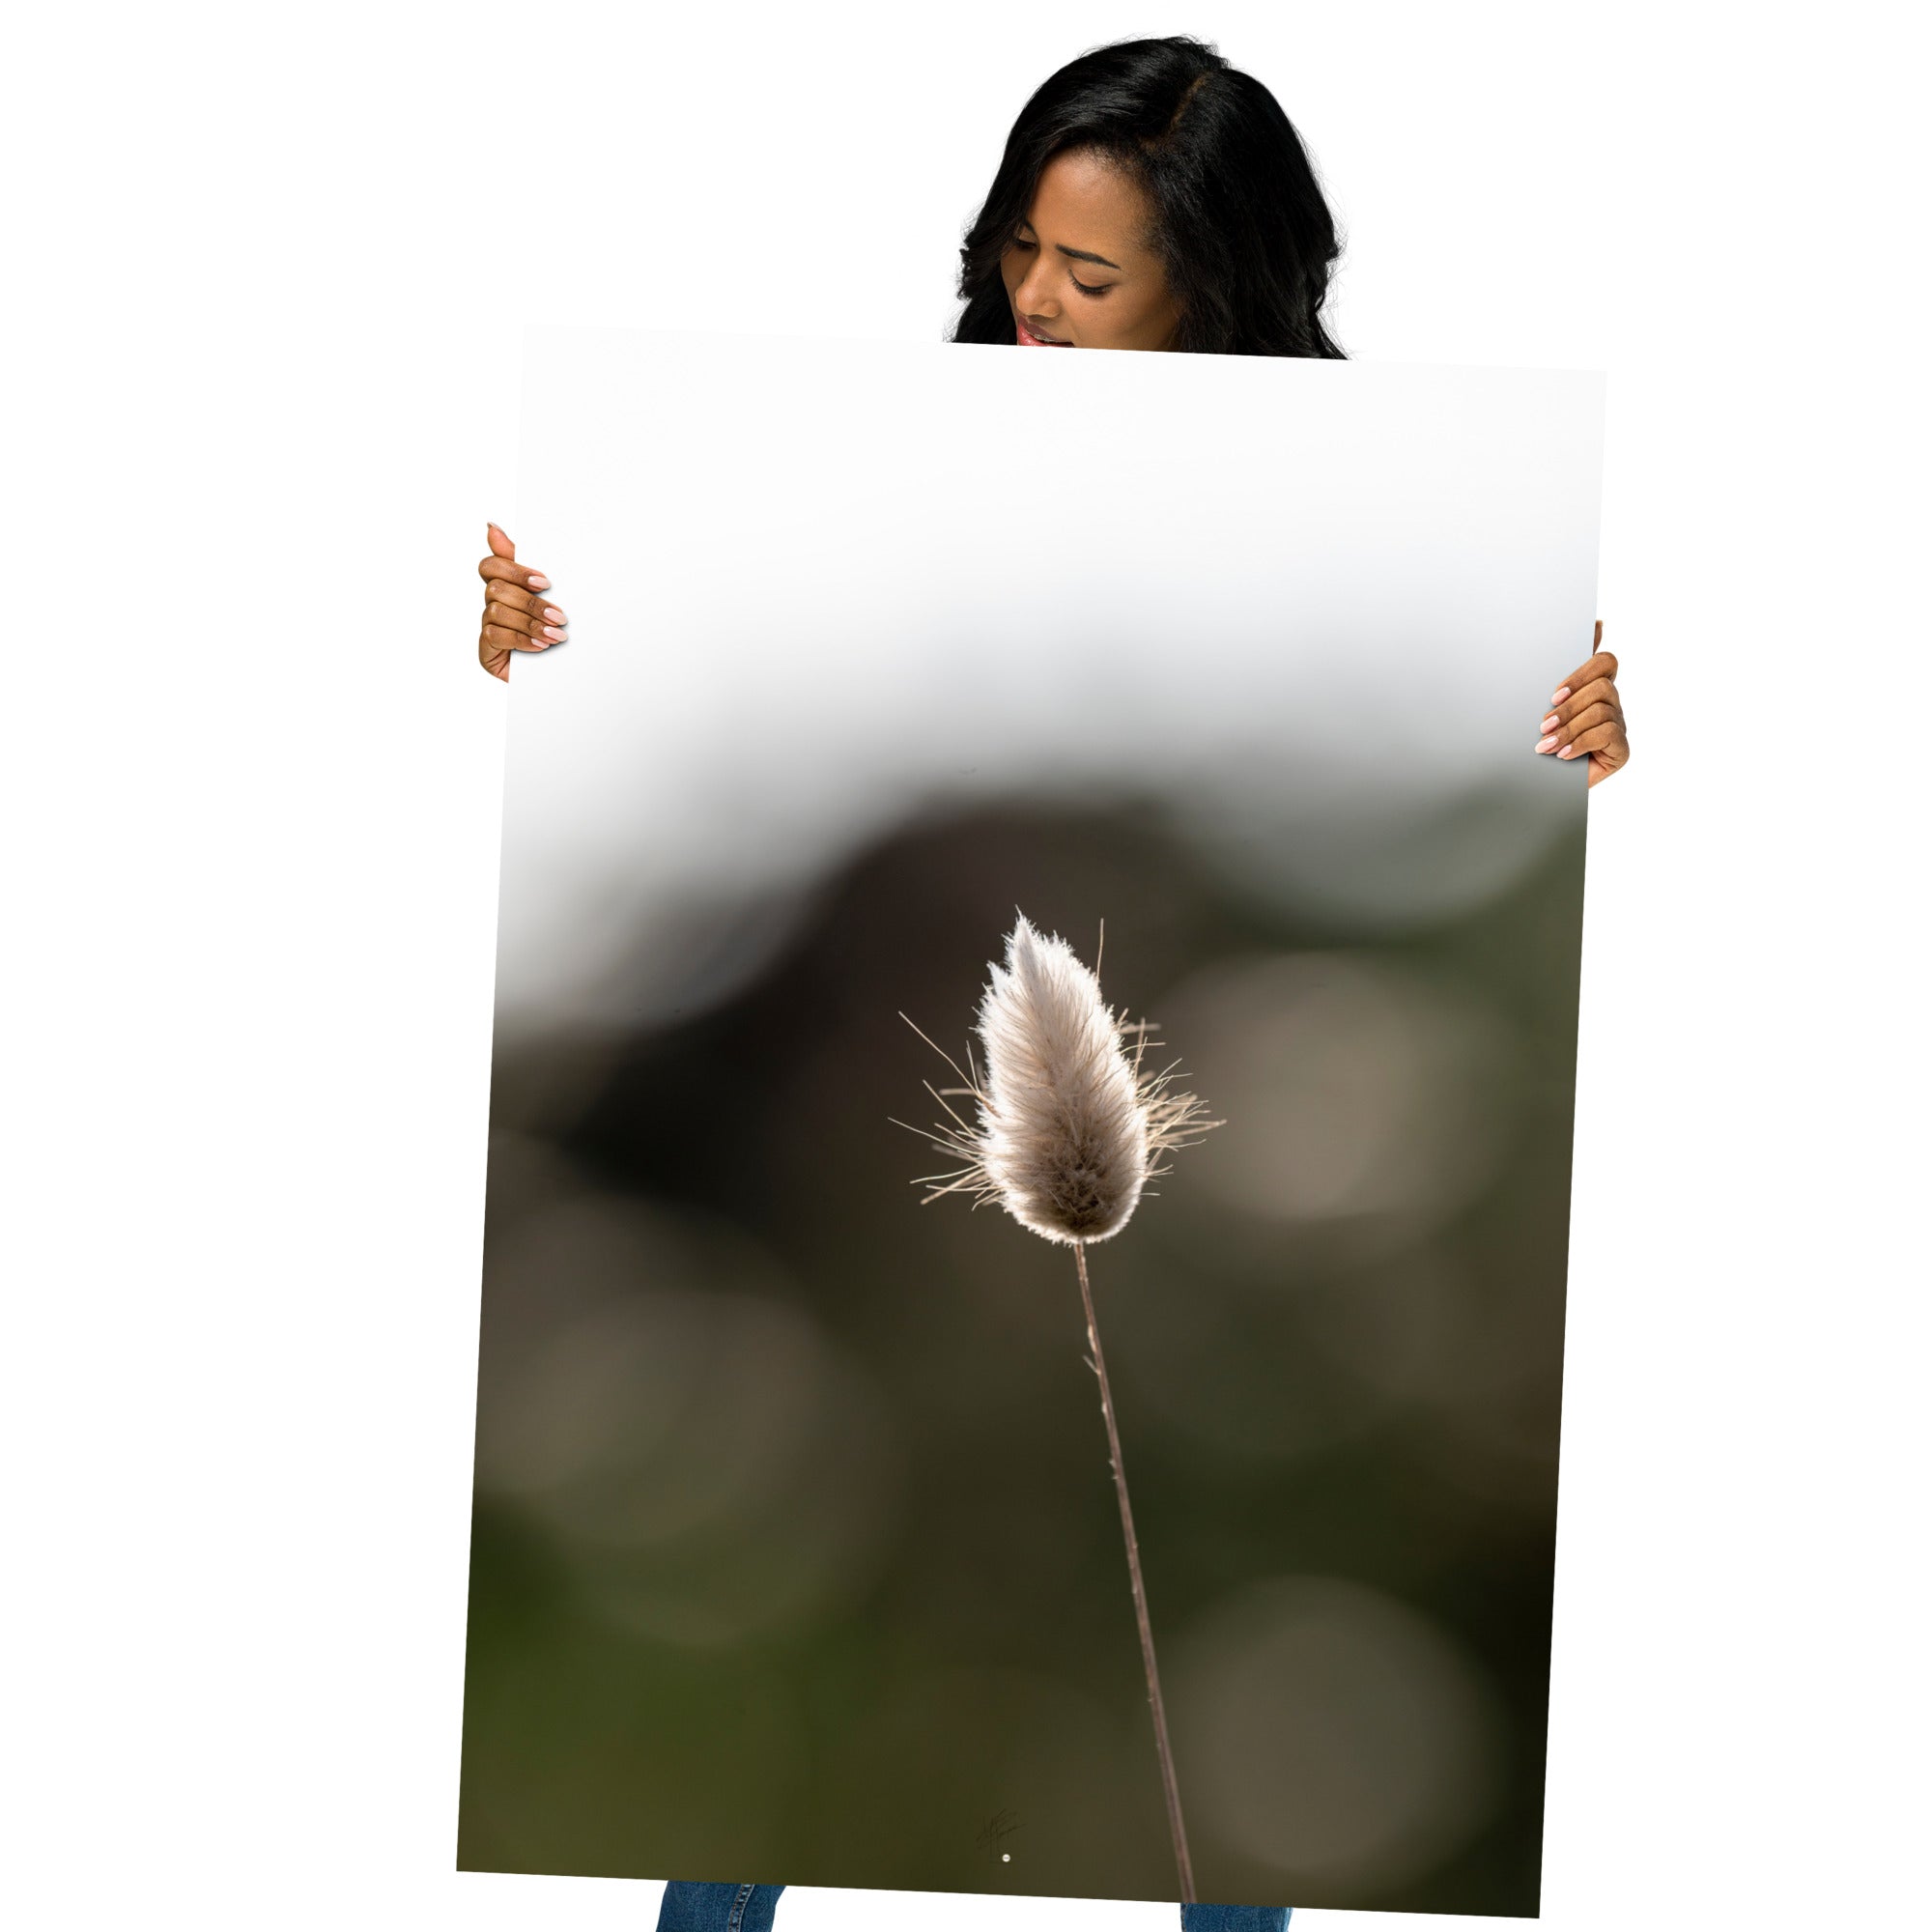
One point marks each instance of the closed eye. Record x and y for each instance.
(1085, 288)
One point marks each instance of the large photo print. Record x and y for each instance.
(1028, 1182)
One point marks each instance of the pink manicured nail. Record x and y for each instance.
(1568, 751)
(553, 633)
(555, 616)
(1544, 744)
(1556, 698)
(543, 584)
(1547, 724)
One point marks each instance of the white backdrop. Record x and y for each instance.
(1257, 551)
(270, 270)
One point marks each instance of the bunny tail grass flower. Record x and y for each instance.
(1071, 1122)
(1070, 1127)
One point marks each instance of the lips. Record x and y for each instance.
(1026, 338)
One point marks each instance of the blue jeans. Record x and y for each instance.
(750, 1908)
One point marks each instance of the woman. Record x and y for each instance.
(1150, 197)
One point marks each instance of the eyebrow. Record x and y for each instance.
(1081, 254)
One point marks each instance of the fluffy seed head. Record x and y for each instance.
(1070, 1125)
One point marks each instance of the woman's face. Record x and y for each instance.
(1078, 272)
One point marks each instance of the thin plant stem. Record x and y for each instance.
(1169, 1784)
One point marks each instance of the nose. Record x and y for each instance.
(1034, 296)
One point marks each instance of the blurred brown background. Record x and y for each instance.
(796, 1555)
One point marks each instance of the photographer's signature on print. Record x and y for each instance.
(994, 1834)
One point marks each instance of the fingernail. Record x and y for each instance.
(556, 616)
(1568, 751)
(1556, 698)
(543, 584)
(1547, 724)
(1544, 744)
(538, 644)
(553, 633)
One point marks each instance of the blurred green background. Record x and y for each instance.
(796, 1556)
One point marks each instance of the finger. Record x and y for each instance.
(1603, 665)
(500, 570)
(500, 616)
(1606, 763)
(495, 662)
(1599, 738)
(1584, 721)
(1598, 691)
(533, 604)
(499, 636)
(499, 544)
(505, 618)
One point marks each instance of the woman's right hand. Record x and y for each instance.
(517, 614)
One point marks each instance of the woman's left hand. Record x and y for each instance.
(1586, 716)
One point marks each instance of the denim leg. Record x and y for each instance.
(693, 1907)
(1235, 1918)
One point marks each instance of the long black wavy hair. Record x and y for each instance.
(1240, 224)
